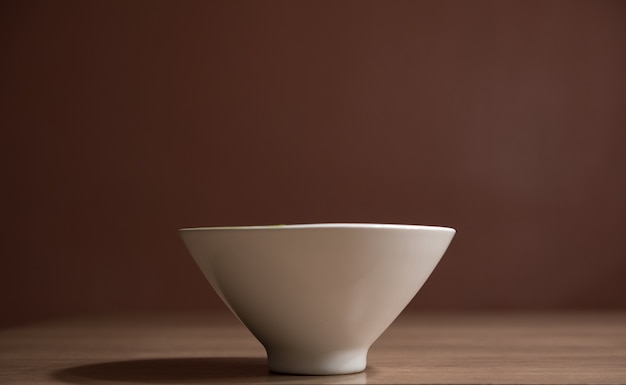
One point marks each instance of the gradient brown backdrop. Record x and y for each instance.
(125, 120)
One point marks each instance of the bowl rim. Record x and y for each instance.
(329, 225)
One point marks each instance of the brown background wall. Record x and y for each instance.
(123, 121)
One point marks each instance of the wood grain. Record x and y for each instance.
(419, 348)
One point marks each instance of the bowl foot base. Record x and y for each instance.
(290, 361)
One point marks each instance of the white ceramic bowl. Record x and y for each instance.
(317, 295)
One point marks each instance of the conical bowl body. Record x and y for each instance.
(317, 296)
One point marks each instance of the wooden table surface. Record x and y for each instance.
(419, 348)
